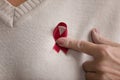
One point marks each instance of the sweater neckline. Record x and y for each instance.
(9, 14)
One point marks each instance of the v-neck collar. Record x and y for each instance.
(10, 14)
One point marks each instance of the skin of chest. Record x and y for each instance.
(16, 2)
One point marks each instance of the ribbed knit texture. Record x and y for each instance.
(26, 7)
(13, 13)
(6, 12)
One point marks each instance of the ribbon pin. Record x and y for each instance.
(60, 31)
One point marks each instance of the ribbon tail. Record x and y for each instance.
(56, 48)
(65, 50)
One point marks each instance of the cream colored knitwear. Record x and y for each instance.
(26, 36)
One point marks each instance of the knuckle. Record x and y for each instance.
(78, 43)
(90, 76)
(99, 76)
(81, 44)
(85, 65)
(70, 43)
(74, 44)
(100, 67)
(100, 39)
(104, 49)
(87, 75)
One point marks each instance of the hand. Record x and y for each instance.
(106, 54)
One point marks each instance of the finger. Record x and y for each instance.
(83, 46)
(91, 76)
(99, 39)
(89, 66)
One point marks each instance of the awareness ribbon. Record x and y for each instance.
(60, 31)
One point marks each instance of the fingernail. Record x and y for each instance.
(61, 41)
(96, 31)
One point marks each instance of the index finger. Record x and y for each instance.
(82, 46)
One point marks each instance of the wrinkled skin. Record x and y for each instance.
(106, 54)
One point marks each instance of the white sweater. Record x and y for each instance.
(26, 39)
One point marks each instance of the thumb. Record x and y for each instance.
(99, 39)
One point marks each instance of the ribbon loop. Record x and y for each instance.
(60, 31)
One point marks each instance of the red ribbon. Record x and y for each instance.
(60, 31)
